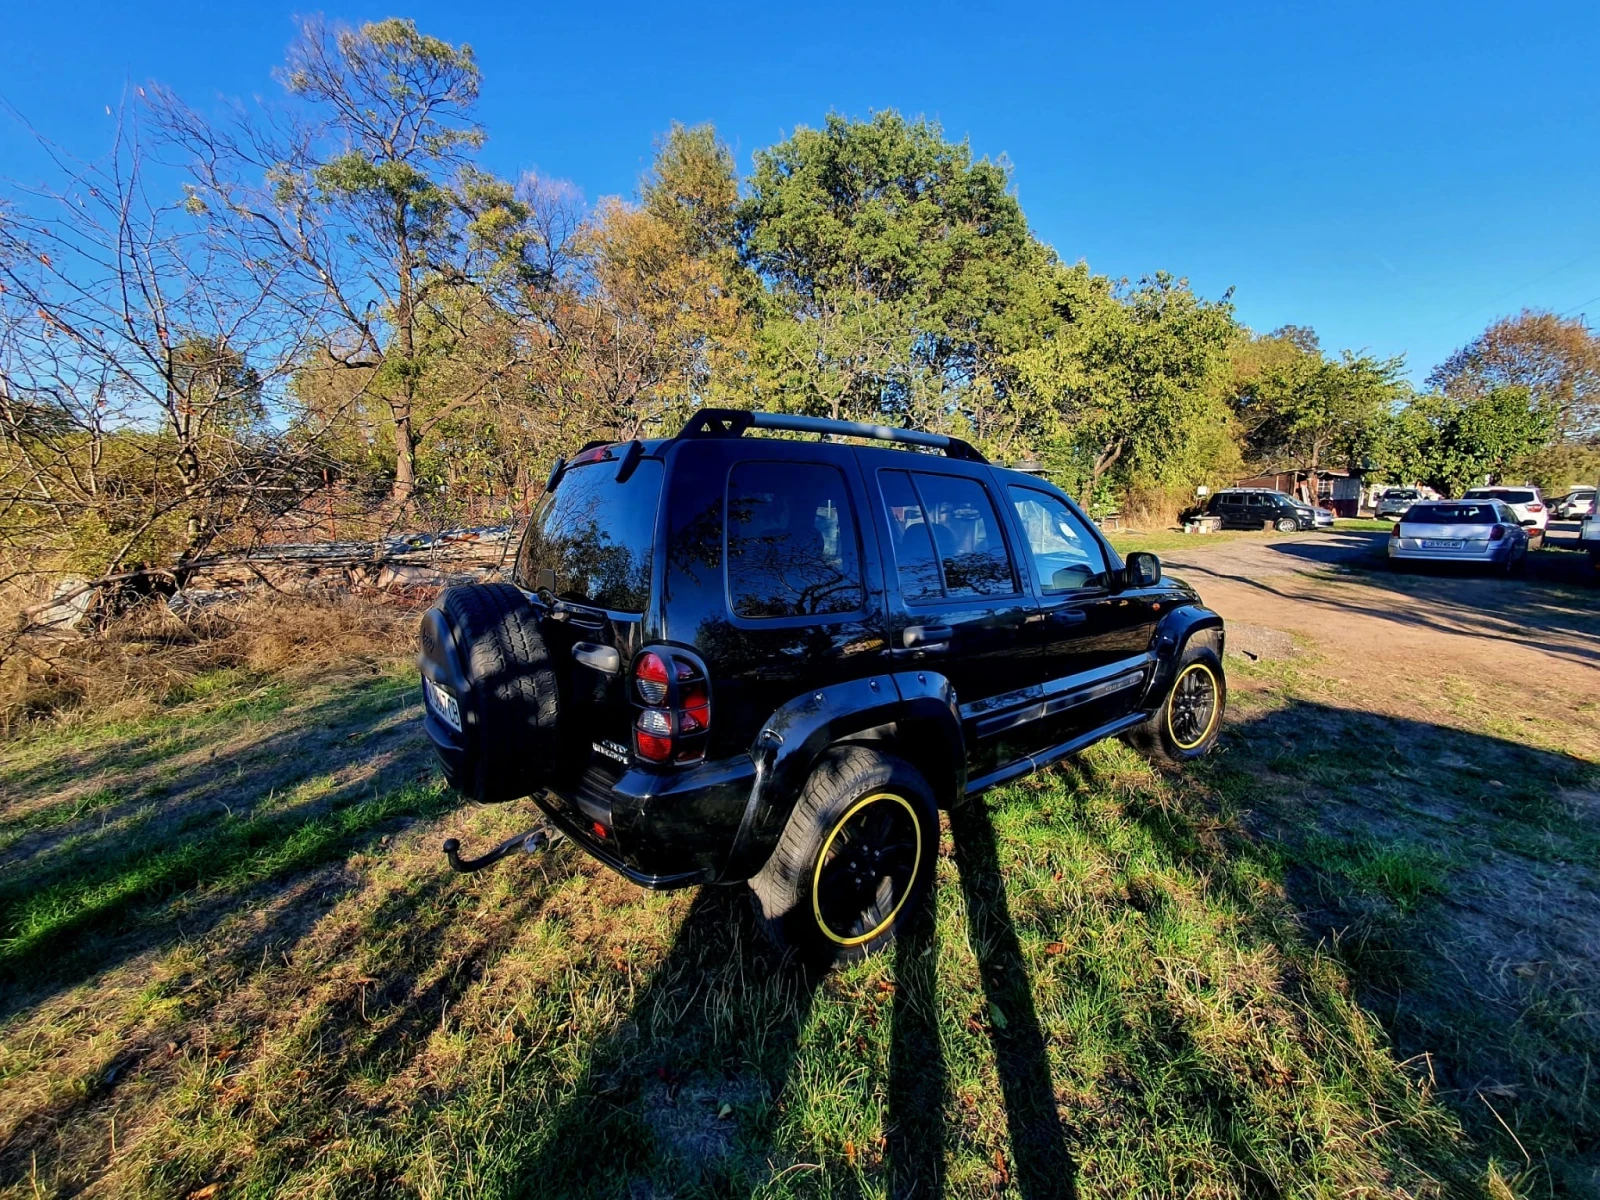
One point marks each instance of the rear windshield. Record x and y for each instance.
(597, 535)
(1509, 495)
(1401, 494)
(1451, 514)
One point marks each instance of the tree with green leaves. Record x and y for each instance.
(1555, 359)
(1303, 410)
(890, 261)
(1455, 443)
(1136, 382)
(372, 205)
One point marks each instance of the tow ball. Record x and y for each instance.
(531, 841)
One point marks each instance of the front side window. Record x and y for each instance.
(1065, 554)
(791, 541)
(947, 537)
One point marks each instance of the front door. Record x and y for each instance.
(1095, 633)
(958, 602)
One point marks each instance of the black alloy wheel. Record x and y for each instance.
(866, 869)
(1193, 707)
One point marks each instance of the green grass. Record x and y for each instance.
(258, 973)
(1160, 541)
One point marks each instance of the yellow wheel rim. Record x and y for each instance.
(822, 860)
(1203, 676)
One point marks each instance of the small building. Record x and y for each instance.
(1333, 488)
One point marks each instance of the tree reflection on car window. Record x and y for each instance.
(791, 541)
(947, 536)
(596, 535)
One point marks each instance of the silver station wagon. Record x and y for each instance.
(1460, 531)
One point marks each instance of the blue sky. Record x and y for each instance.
(1392, 175)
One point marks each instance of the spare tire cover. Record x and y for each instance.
(490, 700)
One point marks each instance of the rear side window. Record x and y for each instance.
(792, 548)
(597, 535)
(947, 537)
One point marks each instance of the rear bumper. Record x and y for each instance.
(1493, 555)
(663, 829)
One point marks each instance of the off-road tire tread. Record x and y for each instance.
(782, 888)
(515, 701)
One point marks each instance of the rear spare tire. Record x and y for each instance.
(489, 691)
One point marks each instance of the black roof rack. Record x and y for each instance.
(732, 422)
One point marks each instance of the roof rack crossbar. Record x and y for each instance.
(732, 422)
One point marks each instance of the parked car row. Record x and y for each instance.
(1527, 502)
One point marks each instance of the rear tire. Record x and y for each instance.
(855, 860)
(1186, 725)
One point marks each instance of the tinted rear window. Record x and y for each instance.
(1400, 494)
(791, 541)
(1509, 495)
(1451, 514)
(597, 535)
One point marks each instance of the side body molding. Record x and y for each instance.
(915, 708)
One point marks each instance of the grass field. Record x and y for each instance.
(234, 963)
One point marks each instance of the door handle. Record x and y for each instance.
(927, 637)
(1068, 616)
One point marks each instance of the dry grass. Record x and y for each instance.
(152, 656)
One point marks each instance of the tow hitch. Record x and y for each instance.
(540, 837)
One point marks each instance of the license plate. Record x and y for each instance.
(1441, 543)
(443, 703)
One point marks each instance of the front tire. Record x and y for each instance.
(855, 860)
(1288, 525)
(1189, 720)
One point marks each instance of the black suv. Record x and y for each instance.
(735, 658)
(1255, 508)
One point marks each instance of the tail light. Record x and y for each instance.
(675, 708)
(1394, 532)
(1498, 533)
(1535, 508)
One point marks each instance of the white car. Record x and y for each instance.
(1469, 530)
(1576, 504)
(1526, 502)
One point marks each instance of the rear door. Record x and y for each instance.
(1095, 633)
(589, 556)
(957, 600)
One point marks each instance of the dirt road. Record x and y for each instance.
(1399, 636)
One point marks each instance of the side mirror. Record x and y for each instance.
(1143, 569)
(1528, 522)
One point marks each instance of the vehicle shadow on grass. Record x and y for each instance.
(1446, 870)
(722, 1022)
(153, 865)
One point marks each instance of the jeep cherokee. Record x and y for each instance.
(730, 658)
